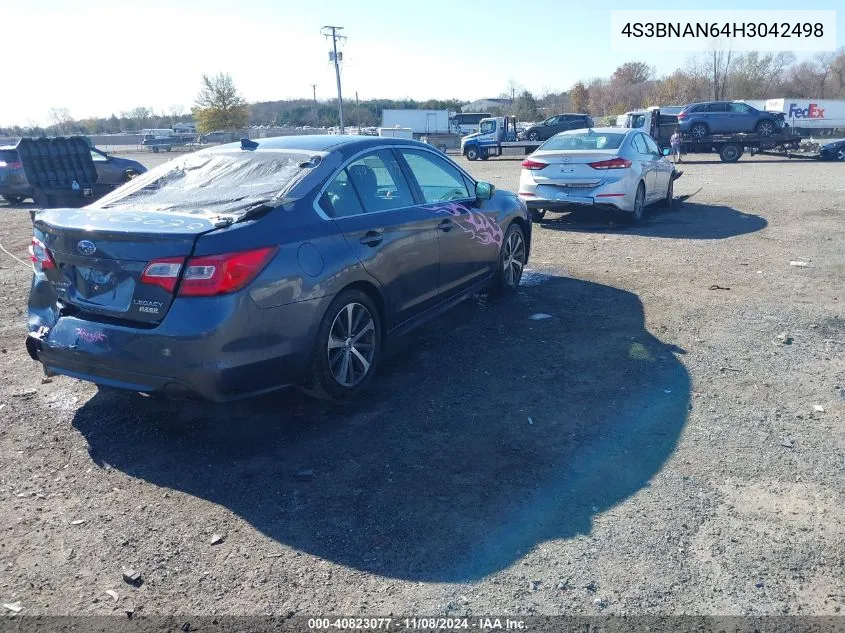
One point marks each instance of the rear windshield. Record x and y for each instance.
(9, 155)
(209, 183)
(585, 141)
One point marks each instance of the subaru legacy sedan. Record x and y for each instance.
(249, 267)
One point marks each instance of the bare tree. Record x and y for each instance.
(61, 119)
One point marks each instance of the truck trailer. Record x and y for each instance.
(420, 122)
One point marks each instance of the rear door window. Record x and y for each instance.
(379, 183)
(717, 107)
(340, 200)
(438, 179)
(639, 144)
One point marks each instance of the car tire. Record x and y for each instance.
(338, 372)
(765, 128)
(730, 152)
(840, 154)
(699, 130)
(471, 153)
(129, 174)
(537, 214)
(484, 155)
(13, 199)
(669, 200)
(639, 204)
(513, 256)
(155, 150)
(533, 136)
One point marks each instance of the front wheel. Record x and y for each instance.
(533, 136)
(155, 150)
(12, 199)
(348, 348)
(471, 153)
(513, 256)
(669, 200)
(639, 204)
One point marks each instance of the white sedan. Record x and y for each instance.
(612, 167)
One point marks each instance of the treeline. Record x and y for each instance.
(719, 74)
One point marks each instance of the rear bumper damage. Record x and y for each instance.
(229, 350)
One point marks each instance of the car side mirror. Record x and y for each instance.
(666, 151)
(484, 190)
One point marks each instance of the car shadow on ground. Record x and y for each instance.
(487, 433)
(684, 220)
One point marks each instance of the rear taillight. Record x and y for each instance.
(209, 275)
(533, 165)
(40, 256)
(613, 163)
(12, 165)
(163, 273)
(682, 116)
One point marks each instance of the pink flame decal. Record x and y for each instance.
(478, 225)
(90, 336)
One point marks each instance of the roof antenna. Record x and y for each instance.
(248, 144)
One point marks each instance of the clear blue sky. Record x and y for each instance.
(111, 56)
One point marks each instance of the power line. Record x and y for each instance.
(331, 31)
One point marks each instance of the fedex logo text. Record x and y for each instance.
(812, 112)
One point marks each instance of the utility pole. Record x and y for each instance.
(357, 114)
(331, 31)
(316, 116)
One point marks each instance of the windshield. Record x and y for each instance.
(585, 141)
(487, 126)
(208, 184)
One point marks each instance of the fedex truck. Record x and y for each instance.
(810, 113)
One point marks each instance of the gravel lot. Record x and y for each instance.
(656, 446)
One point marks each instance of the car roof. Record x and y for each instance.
(323, 142)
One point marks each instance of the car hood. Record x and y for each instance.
(469, 137)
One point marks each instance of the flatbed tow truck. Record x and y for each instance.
(731, 147)
(494, 135)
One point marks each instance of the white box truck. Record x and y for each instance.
(396, 132)
(419, 121)
(805, 114)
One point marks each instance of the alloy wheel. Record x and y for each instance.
(840, 155)
(352, 344)
(513, 259)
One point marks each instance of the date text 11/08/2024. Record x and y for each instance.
(416, 624)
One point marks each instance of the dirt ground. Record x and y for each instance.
(669, 441)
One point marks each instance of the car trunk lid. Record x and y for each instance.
(98, 256)
(571, 168)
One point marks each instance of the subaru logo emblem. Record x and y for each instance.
(86, 248)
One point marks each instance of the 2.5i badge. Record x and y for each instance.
(152, 307)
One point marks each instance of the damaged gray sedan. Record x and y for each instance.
(249, 267)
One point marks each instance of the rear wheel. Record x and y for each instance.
(730, 152)
(12, 199)
(512, 259)
(155, 150)
(348, 348)
(699, 130)
(533, 136)
(765, 128)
